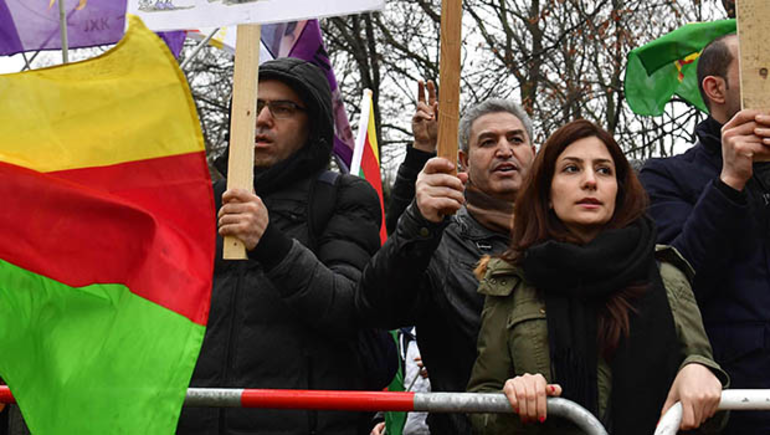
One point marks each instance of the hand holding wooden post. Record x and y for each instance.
(753, 16)
(240, 166)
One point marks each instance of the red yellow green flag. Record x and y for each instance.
(107, 253)
(366, 155)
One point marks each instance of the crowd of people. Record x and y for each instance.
(556, 271)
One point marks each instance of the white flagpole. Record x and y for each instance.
(63, 27)
(363, 127)
(198, 48)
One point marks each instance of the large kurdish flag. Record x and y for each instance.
(107, 242)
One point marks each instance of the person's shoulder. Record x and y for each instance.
(674, 163)
(498, 277)
(349, 184)
(356, 192)
(689, 171)
(676, 275)
(675, 271)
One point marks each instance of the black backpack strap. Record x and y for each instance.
(321, 201)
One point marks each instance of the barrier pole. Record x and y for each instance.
(373, 401)
(732, 400)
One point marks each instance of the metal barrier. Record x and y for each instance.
(735, 400)
(373, 401)
(732, 400)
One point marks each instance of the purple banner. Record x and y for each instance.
(302, 39)
(27, 25)
(174, 40)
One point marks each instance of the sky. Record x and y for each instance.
(10, 64)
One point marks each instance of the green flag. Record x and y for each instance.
(394, 420)
(668, 66)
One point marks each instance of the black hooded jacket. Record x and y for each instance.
(285, 318)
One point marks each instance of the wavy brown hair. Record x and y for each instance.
(535, 222)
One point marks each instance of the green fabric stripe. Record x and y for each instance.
(688, 39)
(80, 360)
(648, 95)
(652, 77)
(394, 421)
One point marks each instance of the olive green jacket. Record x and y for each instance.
(514, 339)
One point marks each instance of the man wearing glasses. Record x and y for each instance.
(285, 317)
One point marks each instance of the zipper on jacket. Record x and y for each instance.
(312, 416)
(230, 349)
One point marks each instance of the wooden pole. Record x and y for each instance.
(240, 166)
(449, 79)
(753, 16)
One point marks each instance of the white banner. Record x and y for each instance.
(192, 14)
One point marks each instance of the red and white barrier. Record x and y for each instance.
(372, 401)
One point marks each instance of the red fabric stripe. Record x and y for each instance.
(372, 174)
(148, 225)
(5, 395)
(328, 400)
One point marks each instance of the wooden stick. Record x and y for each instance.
(753, 16)
(449, 79)
(240, 166)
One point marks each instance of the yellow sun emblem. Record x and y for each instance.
(80, 6)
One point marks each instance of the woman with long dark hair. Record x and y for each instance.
(584, 305)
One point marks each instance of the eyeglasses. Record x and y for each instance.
(280, 109)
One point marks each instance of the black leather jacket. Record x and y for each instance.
(423, 276)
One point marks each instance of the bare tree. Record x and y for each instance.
(562, 59)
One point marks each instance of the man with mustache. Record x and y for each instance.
(423, 275)
(285, 318)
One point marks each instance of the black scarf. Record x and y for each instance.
(576, 281)
(309, 160)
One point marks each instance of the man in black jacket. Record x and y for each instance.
(423, 275)
(712, 203)
(285, 318)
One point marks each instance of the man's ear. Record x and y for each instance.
(463, 159)
(715, 89)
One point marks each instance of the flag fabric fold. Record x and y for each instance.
(27, 25)
(105, 276)
(366, 155)
(668, 66)
(35, 25)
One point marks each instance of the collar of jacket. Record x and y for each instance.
(709, 133)
(471, 229)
